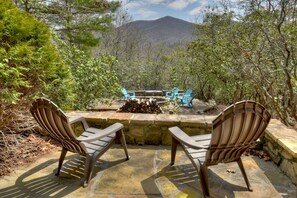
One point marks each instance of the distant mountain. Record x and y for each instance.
(167, 30)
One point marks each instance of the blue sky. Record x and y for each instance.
(189, 10)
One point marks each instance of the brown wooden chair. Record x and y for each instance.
(92, 143)
(233, 131)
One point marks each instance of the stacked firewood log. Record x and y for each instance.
(141, 106)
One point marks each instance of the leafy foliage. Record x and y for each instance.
(29, 64)
(77, 25)
(93, 77)
(252, 58)
(78, 22)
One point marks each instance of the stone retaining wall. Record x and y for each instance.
(281, 144)
(149, 129)
(279, 141)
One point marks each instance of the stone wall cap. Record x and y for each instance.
(284, 136)
(100, 114)
(77, 113)
(143, 117)
(121, 116)
(197, 118)
(167, 119)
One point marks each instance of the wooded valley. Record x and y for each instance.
(73, 52)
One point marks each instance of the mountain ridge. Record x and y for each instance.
(166, 30)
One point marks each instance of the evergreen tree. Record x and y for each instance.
(77, 21)
(30, 65)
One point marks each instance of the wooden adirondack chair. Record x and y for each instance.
(173, 94)
(92, 143)
(234, 130)
(128, 95)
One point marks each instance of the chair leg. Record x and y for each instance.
(190, 104)
(174, 144)
(62, 157)
(203, 175)
(240, 164)
(121, 135)
(88, 163)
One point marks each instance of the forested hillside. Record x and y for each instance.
(235, 56)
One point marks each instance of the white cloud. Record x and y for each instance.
(236, 1)
(203, 9)
(147, 14)
(204, 2)
(213, 6)
(122, 1)
(204, 5)
(134, 4)
(197, 11)
(180, 4)
(157, 1)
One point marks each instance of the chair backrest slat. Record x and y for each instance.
(52, 127)
(53, 120)
(60, 123)
(174, 91)
(124, 91)
(40, 118)
(55, 123)
(235, 130)
(188, 92)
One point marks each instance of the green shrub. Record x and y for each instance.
(30, 64)
(94, 77)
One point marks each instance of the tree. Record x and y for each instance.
(253, 57)
(274, 57)
(94, 77)
(77, 21)
(30, 65)
(77, 24)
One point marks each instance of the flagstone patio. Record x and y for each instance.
(146, 174)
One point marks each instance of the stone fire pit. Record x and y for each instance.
(141, 106)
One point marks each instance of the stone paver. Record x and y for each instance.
(146, 175)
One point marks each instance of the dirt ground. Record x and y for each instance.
(22, 149)
(199, 108)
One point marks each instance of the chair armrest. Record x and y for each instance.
(131, 93)
(81, 119)
(180, 95)
(168, 93)
(100, 133)
(183, 138)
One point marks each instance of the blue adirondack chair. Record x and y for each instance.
(188, 101)
(128, 95)
(187, 94)
(171, 95)
(186, 98)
